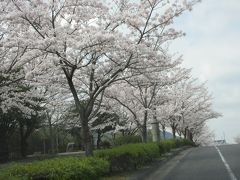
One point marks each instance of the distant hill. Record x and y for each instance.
(168, 135)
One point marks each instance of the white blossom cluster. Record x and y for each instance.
(105, 56)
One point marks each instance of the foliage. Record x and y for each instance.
(166, 145)
(121, 158)
(105, 144)
(131, 156)
(110, 58)
(88, 45)
(57, 168)
(128, 156)
(127, 139)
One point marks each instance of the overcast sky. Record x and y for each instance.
(212, 48)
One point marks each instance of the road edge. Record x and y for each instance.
(148, 172)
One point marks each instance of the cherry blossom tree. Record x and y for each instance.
(55, 108)
(88, 44)
(189, 108)
(125, 123)
(18, 97)
(237, 139)
(143, 93)
(204, 136)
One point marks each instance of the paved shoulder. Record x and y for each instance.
(201, 163)
(231, 153)
(160, 167)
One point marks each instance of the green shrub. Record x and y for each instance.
(166, 145)
(120, 158)
(58, 168)
(131, 156)
(105, 144)
(127, 139)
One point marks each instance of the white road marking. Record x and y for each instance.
(230, 172)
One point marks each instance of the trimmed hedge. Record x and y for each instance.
(57, 168)
(127, 139)
(121, 158)
(131, 156)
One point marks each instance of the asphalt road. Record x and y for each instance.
(203, 163)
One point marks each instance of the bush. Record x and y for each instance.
(166, 145)
(105, 144)
(183, 142)
(131, 156)
(57, 168)
(127, 139)
(120, 158)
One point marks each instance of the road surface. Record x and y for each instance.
(203, 163)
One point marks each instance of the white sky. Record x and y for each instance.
(212, 48)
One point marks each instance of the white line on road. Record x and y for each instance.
(230, 172)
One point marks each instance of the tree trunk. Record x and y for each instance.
(87, 139)
(44, 146)
(52, 151)
(123, 132)
(98, 138)
(57, 140)
(23, 141)
(191, 136)
(174, 132)
(144, 134)
(185, 133)
(164, 132)
(144, 127)
(24, 146)
(4, 151)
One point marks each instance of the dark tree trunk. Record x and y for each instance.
(25, 132)
(87, 139)
(57, 141)
(86, 136)
(144, 134)
(185, 133)
(52, 139)
(44, 146)
(7, 128)
(191, 136)
(144, 127)
(98, 138)
(4, 151)
(174, 132)
(164, 132)
(23, 141)
(24, 146)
